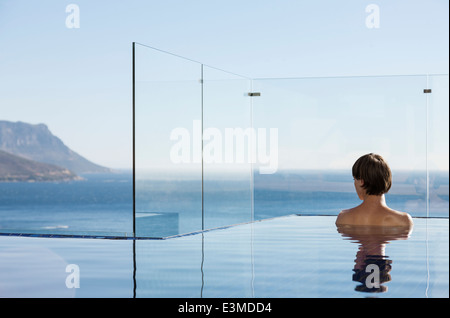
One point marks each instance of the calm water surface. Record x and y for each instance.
(292, 256)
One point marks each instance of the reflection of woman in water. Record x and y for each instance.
(372, 224)
(373, 179)
(372, 267)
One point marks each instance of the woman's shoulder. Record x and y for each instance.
(344, 216)
(385, 216)
(402, 218)
(393, 217)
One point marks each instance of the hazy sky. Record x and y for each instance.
(78, 80)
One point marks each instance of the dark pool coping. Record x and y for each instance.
(125, 237)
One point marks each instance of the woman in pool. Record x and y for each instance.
(373, 179)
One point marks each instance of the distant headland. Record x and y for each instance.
(32, 153)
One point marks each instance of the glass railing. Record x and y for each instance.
(192, 109)
(227, 187)
(273, 147)
(325, 124)
(167, 155)
(213, 149)
(437, 181)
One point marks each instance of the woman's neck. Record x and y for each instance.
(374, 200)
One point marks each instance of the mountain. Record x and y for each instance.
(37, 143)
(15, 168)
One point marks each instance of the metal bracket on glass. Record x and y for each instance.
(427, 91)
(254, 94)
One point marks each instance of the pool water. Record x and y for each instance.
(285, 257)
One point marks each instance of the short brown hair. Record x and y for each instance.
(375, 173)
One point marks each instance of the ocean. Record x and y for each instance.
(102, 204)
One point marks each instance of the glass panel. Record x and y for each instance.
(226, 141)
(438, 146)
(168, 176)
(99, 205)
(211, 264)
(324, 125)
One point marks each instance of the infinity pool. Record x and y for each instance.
(286, 257)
